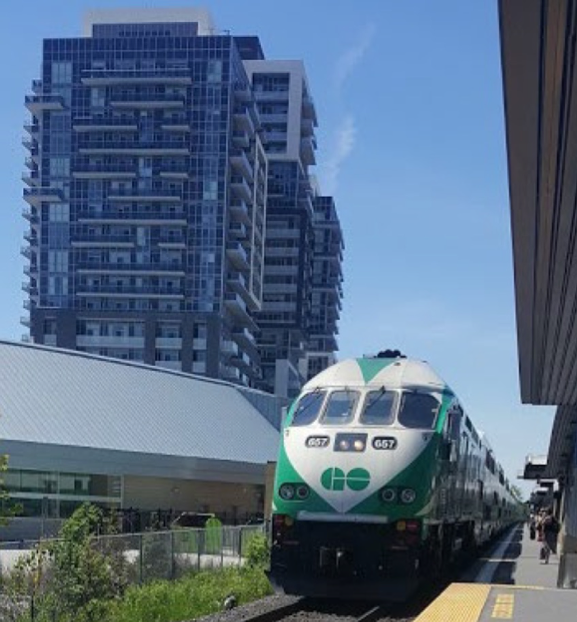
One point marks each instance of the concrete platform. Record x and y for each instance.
(510, 583)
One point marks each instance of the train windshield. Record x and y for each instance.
(340, 407)
(308, 408)
(418, 410)
(378, 408)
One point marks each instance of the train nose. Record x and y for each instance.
(337, 561)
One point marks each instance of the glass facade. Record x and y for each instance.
(147, 191)
(157, 157)
(57, 495)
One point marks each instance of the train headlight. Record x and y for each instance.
(303, 491)
(287, 492)
(388, 495)
(408, 495)
(358, 445)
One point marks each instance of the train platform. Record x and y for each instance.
(510, 583)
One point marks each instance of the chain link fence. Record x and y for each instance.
(138, 558)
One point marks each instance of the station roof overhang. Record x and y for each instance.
(534, 468)
(539, 54)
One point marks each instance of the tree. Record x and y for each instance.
(8, 509)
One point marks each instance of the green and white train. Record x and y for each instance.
(382, 480)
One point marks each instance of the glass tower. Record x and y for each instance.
(172, 218)
(147, 192)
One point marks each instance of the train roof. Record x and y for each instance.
(378, 372)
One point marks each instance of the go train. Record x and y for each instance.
(382, 480)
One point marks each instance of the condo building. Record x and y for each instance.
(171, 215)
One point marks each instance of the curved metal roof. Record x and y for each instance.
(61, 397)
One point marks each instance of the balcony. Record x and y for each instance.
(25, 320)
(32, 178)
(175, 125)
(102, 241)
(111, 77)
(243, 117)
(239, 211)
(30, 142)
(308, 108)
(143, 196)
(110, 341)
(37, 196)
(38, 103)
(243, 362)
(31, 237)
(268, 96)
(307, 126)
(229, 347)
(244, 337)
(237, 281)
(274, 117)
(242, 190)
(31, 269)
(241, 139)
(139, 269)
(308, 146)
(129, 291)
(241, 163)
(148, 101)
(238, 230)
(29, 287)
(104, 124)
(230, 374)
(133, 217)
(96, 146)
(237, 255)
(108, 170)
(30, 215)
(169, 342)
(31, 163)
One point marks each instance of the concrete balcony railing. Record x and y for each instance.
(39, 102)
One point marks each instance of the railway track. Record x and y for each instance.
(309, 610)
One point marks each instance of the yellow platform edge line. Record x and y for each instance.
(460, 602)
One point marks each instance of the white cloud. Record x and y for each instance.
(344, 141)
(353, 56)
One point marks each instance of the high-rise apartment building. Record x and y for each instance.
(288, 118)
(157, 149)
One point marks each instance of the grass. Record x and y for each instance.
(193, 596)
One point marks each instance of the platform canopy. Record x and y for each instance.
(539, 58)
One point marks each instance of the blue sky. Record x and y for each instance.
(411, 143)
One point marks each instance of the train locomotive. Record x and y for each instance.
(382, 480)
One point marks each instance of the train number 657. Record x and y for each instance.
(384, 442)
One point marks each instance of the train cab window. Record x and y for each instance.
(308, 408)
(418, 410)
(378, 408)
(340, 407)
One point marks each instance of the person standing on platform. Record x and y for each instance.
(549, 530)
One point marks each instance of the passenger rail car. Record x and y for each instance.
(382, 479)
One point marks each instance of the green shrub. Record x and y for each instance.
(256, 550)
